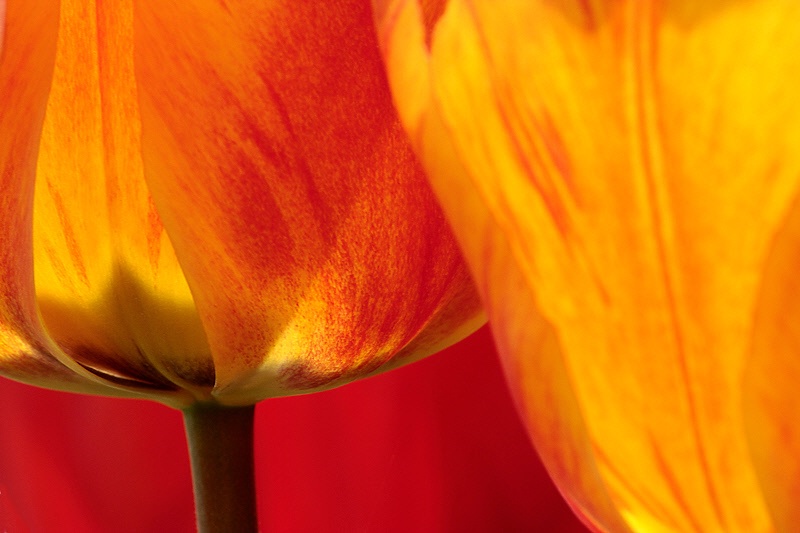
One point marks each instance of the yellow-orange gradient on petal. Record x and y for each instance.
(110, 289)
(630, 164)
(211, 203)
(26, 66)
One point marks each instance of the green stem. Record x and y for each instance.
(221, 450)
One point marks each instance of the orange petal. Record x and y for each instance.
(2, 24)
(308, 234)
(110, 290)
(636, 159)
(26, 66)
(539, 379)
(771, 401)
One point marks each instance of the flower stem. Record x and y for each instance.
(221, 449)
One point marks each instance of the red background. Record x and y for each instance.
(432, 447)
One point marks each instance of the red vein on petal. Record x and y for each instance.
(673, 484)
(589, 13)
(639, 494)
(520, 138)
(642, 44)
(432, 10)
(75, 255)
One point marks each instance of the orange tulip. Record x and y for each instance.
(202, 202)
(624, 178)
(208, 204)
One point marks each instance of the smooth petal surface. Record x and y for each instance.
(309, 237)
(771, 401)
(26, 66)
(542, 387)
(2, 24)
(110, 290)
(634, 160)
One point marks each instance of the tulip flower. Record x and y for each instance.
(624, 181)
(209, 204)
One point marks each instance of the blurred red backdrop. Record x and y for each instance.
(432, 447)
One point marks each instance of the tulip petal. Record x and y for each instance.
(110, 290)
(539, 379)
(548, 405)
(26, 65)
(770, 382)
(312, 243)
(2, 24)
(636, 159)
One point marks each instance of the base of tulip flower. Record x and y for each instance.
(221, 449)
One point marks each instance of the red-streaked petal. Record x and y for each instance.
(308, 234)
(636, 158)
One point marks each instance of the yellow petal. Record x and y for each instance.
(311, 241)
(26, 65)
(110, 290)
(636, 159)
